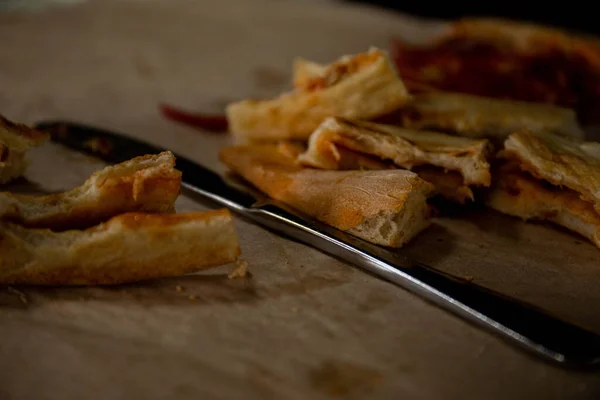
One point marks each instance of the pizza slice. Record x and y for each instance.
(451, 163)
(507, 60)
(127, 248)
(15, 141)
(143, 184)
(386, 207)
(477, 116)
(364, 85)
(548, 177)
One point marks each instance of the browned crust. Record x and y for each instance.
(148, 183)
(560, 161)
(346, 200)
(128, 248)
(24, 131)
(521, 195)
(405, 147)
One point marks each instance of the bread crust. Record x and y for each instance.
(561, 161)
(521, 195)
(15, 140)
(128, 248)
(478, 117)
(364, 85)
(385, 207)
(404, 147)
(148, 183)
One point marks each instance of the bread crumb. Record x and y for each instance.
(240, 271)
(191, 297)
(469, 278)
(179, 288)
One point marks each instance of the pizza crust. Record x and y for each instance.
(387, 207)
(364, 85)
(561, 161)
(15, 141)
(478, 117)
(144, 184)
(521, 195)
(404, 147)
(128, 248)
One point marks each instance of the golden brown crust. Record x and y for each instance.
(405, 147)
(128, 248)
(148, 183)
(518, 194)
(385, 207)
(477, 117)
(365, 85)
(15, 140)
(21, 130)
(560, 161)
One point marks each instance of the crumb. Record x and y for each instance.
(294, 309)
(179, 288)
(468, 278)
(192, 297)
(240, 271)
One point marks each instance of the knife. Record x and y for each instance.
(518, 323)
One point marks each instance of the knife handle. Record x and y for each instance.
(521, 324)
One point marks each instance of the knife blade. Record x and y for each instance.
(521, 324)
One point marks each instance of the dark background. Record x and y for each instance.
(572, 15)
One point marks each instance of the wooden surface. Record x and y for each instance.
(304, 325)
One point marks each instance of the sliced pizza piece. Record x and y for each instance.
(128, 248)
(15, 141)
(364, 85)
(519, 194)
(448, 184)
(145, 184)
(406, 148)
(478, 117)
(386, 207)
(507, 60)
(563, 162)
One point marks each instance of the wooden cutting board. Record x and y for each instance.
(304, 325)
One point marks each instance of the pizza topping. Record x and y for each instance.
(468, 65)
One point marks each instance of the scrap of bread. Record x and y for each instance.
(407, 148)
(449, 184)
(563, 162)
(128, 248)
(477, 117)
(15, 141)
(387, 207)
(144, 184)
(518, 194)
(364, 85)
